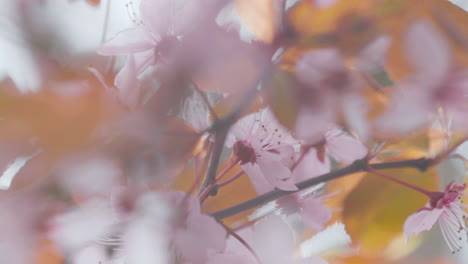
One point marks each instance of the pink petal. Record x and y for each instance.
(145, 242)
(277, 174)
(156, 15)
(91, 254)
(201, 234)
(355, 110)
(317, 67)
(128, 41)
(229, 258)
(143, 60)
(314, 213)
(311, 125)
(420, 221)
(427, 51)
(192, 205)
(79, 227)
(345, 148)
(259, 182)
(374, 55)
(409, 110)
(273, 240)
(310, 166)
(127, 83)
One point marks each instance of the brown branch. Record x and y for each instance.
(358, 166)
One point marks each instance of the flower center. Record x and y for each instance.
(440, 199)
(244, 152)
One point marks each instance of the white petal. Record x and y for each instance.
(230, 20)
(91, 254)
(433, 58)
(145, 243)
(79, 227)
(332, 238)
(16, 58)
(12, 170)
(273, 240)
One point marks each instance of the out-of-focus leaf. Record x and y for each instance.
(54, 121)
(347, 25)
(47, 253)
(374, 212)
(360, 260)
(309, 19)
(413, 146)
(281, 97)
(260, 17)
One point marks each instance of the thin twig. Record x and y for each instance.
(233, 178)
(241, 240)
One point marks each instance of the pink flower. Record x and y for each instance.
(162, 21)
(278, 247)
(327, 90)
(193, 233)
(308, 204)
(343, 147)
(447, 208)
(436, 82)
(263, 148)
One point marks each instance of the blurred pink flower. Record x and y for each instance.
(261, 144)
(328, 89)
(308, 204)
(344, 148)
(278, 247)
(436, 82)
(446, 208)
(193, 233)
(162, 22)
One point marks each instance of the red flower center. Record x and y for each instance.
(244, 152)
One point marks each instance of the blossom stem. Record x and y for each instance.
(233, 162)
(241, 240)
(396, 180)
(233, 178)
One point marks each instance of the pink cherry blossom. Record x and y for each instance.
(261, 144)
(344, 148)
(327, 89)
(308, 204)
(446, 208)
(436, 82)
(194, 234)
(19, 218)
(162, 21)
(278, 247)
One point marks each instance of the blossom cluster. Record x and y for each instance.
(203, 132)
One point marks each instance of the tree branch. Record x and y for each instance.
(358, 166)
